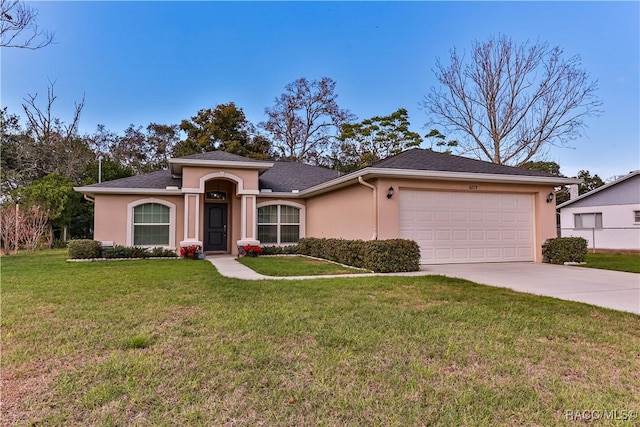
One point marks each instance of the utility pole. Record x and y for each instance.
(100, 168)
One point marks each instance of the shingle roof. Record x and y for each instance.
(288, 176)
(218, 155)
(159, 179)
(428, 160)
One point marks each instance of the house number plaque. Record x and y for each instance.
(473, 187)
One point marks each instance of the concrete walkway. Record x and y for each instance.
(603, 288)
(229, 267)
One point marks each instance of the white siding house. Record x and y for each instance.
(608, 217)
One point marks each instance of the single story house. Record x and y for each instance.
(458, 209)
(608, 217)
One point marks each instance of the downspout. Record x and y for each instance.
(375, 206)
(89, 198)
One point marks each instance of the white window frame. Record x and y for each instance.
(172, 222)
(578, 220)
(301, 225)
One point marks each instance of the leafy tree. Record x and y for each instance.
(224, 128)
(161, 139)
(19, 26)
(373, 139)
(440, 141)
(111, 170)
(541, 166)
(305, 120)
(50, 194)
(589, 182)
(512, 100)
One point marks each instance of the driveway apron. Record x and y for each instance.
(604, 288)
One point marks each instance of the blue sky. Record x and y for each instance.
(143, 62)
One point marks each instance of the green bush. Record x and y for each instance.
(564, 249)
(162, 253)
(136, 252)
(381, 256)
(60, 244)
(280, 250)
(84, 249)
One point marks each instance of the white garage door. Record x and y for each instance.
(453, 227)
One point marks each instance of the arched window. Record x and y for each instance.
(151, 225)
(279, 224)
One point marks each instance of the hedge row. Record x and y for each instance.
(87, 249)
(381, 256)
(564, 249)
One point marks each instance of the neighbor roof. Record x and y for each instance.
(429, 160)
(289, 176)
(599, 189)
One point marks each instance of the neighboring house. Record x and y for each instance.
(457, 209)
(608, 217)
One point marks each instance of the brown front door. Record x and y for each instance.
(215, 227)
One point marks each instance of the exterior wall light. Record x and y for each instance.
(390, 192)
(550, 198)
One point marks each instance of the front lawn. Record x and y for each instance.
(618, 262)
(171, 342)
(296, 266)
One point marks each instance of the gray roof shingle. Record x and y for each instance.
(289, 176)
(157, 180)
(429, 160)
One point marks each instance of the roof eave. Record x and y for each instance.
(110, 190)
(437, 175)
(279, 194)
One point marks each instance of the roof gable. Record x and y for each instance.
(625, 190)
(290, 176)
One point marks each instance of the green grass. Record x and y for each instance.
(171, 342)
(296, 266)
(618, 262)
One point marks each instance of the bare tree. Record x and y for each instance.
(56, 146)
(8, 227)
(305, 119)
(512, 101)
(19, 26)
(34, 226)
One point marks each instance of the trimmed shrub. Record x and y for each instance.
(381, 256)
(136, 252)
(387, 256)
(162, 253)
(84, 249)
(564, 249)
(280, 250)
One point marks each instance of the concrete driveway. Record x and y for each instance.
(604, 288)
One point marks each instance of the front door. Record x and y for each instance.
(215, 227)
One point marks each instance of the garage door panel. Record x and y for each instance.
(452, 227)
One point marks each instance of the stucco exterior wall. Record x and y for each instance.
(344, 213)
(110, 220)
(619, 231)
